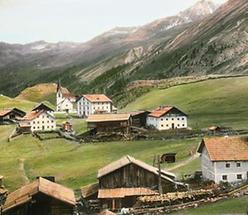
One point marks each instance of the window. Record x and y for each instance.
(182, 118)
(162, 125)
(33, 127)
(162, 119)
(224, 177)
(33, 122)
(167, 125)
(239, 176)
(238, 164)
(227, 165)
(47, 126)
(178, 125)
(167, 119)
(178, 118)
(183, 125)
(172, 119)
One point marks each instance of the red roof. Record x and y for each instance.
(160, 111)
(97, 98)
(226, 148)
(4, 112)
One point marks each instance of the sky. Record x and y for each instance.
(25, 21)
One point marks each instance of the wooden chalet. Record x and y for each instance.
(41, 197)
(121, 182)
(11, 115)
(109, 122)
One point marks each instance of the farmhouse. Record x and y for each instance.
(94, 104)
(166, 118)
(41, 197)
(109, 122)
(121, 182)
(65, 101)
(11, 115)
(41, 118)
(224, 159)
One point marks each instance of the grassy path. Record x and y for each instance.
(22, 170)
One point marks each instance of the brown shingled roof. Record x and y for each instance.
(89, 190)
(32, 115)
(126, 160)
(108, 117)
(97, 98)
(123, 192)
(41, 185)
(226, 148)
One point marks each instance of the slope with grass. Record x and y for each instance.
(39, 93)
(221, 102)
(6, 102)
(72, 164)
(238, 206)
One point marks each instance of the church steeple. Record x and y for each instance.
(58, 86)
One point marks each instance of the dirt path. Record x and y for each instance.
(22, 170)
(184, 162)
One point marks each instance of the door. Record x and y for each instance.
(43, 127)
(173, 126)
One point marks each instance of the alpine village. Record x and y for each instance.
(131, 140)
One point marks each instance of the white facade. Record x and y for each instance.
(65, 103)
(225, 171)
(86, 107)
(43, 122)
(168, 122)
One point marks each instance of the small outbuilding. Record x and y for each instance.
(139, 118)
(41, 197)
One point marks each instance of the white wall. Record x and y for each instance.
(207, 166)
(232, 171)
(168, 122)
(215, 170)
(65, 104)
(45, 122)
(86, 108)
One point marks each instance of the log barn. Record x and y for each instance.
(41, 197)
(109, 122)
(121, 182)
(139, 118)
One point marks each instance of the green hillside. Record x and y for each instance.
(6, 102)
(221, 102)
(72, 164)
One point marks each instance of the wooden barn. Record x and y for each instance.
(11, 115)
(139, 118)
(121, 182)
(42, 197)
(109, 122)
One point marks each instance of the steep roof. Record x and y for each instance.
(97, 98)
(4, 112)
(126, 160)
(123, 192)
(108, 117)
(163, 110)
(42, 106)
(226, 148)
(33, 115)
(41, 185)
(89, 190)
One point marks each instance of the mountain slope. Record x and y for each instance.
(218, 44)
(22, 66)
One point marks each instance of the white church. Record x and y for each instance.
(65, 101)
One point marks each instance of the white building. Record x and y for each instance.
(65, 101)
(166, 118)
(94, 104)
(224, 159)
(41, 118)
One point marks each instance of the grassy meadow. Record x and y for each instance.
(214, 102)
(75, 165)
(238, 206)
